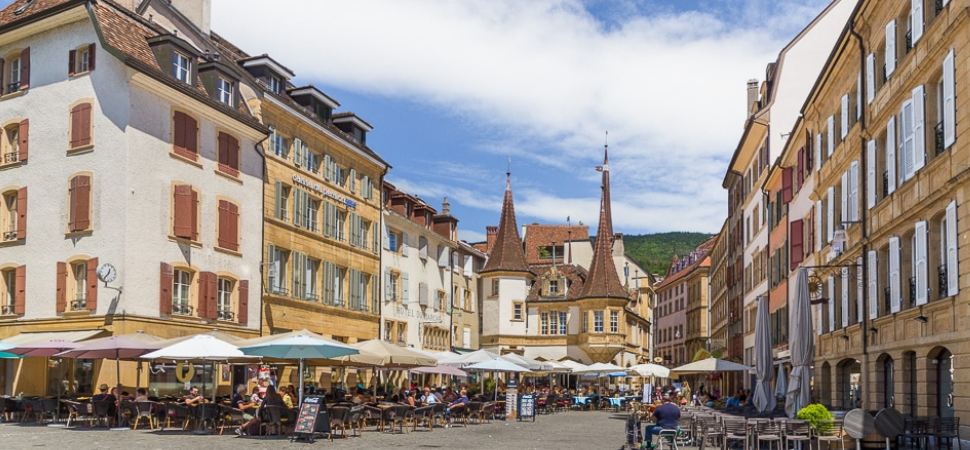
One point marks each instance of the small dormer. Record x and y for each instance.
(220, 82)
(354, 126)
(314, 100)
(176, 56)
(267, 70)
(445, 224)
(422, 214)
(400, 203)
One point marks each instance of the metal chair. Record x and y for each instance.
(797, 431)
(735, 430)
(104, 411)
(474, 411)
(948, 430)
(830, 433)
(338, 420)
(668, 437)
(271, 416)
(145, 410)
(229, 417)
(770, 433)
(423, 415)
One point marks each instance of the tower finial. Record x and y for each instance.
(606, 150)
(508, 176)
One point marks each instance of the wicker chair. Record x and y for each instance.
(104, 411)
(178, 413)
(458, 414)
(339, 419)
(145, 410)
(439, 413)
(230, 417)
(424, 416)
(271, 416)
(474, 411)
(77, 411)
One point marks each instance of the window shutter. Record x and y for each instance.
(949, 103)
(61, 293)
(818, 225)
(404, 244)
(165, 279)
(786, 181)
(844, 313)
(183, 204)
(223, 231)
(2, 91)
(844, 123)
(871, 173)
(894, 281)
(223, 146)
(92, 288)
(818, 151)
(844, 199)
(797, 245)
(919, 134)
(375, 238)
(83, 128)
(858, 96)
(233, 153)
(830, 145)
(242, 316)
(23, 133)
(91, 53)
(860, 291)
(194, 215)
(25, 68)
(388, 292)
(920, 269)
(870, 78)
(71, 58)
(20, 297)
(233, 227)
(831, 305)
(873, 285)
(916, 18)
(82, 194)
(830, 210)
(854, 191)
(891, 154)
(890, 56)
(178, 132)
(72, 204)
(208, 295)
(906, 141)
(280, 207)
(952, 257)
(22, 213)
(800, 168)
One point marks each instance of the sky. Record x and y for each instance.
(457, 89)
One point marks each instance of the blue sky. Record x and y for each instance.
(455, 88)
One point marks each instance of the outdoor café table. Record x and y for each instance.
(616, 402)
(580, 400)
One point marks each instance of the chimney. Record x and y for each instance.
(491, 232)
(446, 207)
(752, 96)
(199, 12)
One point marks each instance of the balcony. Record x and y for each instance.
(11, 157)
(912, 291)
(602, 346)
(182, 308)
(909, 41)
(8, 236)
(7, 310)
(79, 304)
(226, 315)
(942, 287)
(277, 290)
(310, 296)
(887, 299)
(938, 138)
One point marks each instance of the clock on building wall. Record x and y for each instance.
(107, 273)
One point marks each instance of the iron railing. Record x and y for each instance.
(938, 137)
(942, 287)
(885, 183)
(888, 299)
(11, 157)
(184, 309)
(909, 41)
(79, 304)
(225, 314)
(9, 235)
(912, 291)
(7, 310)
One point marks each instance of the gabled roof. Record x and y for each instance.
(603, 282)
(24, 11)
(507, 255)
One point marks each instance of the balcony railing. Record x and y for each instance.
(888, 300)
(184, 309)
(12, 87)
(310, 296)
(7, 310)
(79, 304)
(885, 75)
(277, 290)
(11, 157)
(937, 7)
(938, 137)
(9, 235)
(912, 291)
(909, 41)
(225, 314)
(885, 183)
(942, 287)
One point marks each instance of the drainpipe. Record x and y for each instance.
(863, 133)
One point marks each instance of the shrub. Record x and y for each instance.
(489, 385)
(817, 416)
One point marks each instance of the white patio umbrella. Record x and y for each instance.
(764, 399)
(528, 363)
(650, 370)
(468, 359)
(802, 345)
(200, 347)
(709, 365)
(573, 366)
(496, 364)
(599, 369)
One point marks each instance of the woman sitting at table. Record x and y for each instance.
(288, 398)
(272, 398)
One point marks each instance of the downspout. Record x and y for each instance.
(863, 132)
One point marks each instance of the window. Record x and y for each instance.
(597, 321)
(401, 332)
(275, 84)
(562, 323)
(182, 283)
(228, 226)
(16, 75)
(282, 200)
(81, 60)
(277, 143)
(12, 222)
(423, 247)
(80, 132)
(305, 210)
(185, 215)
(14, 143)
(517, 311)
(181, 67)
(228, 154)
(8, 293)
(79, 214)
(339, 274)
(79, 272)
(278, 259)
(614, 321)
(545, 323)
(495, 287)
(224, 90)
(185, 136)
(393, 281)
(341, 226)
(554, 286)
(393, 240)
(224, 299)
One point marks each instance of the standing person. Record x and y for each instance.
(667, 417)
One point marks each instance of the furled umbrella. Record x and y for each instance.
(764, 399)
(801, 343)
(299, 345)
(780, 382)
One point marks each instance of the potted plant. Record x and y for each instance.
(818, 416)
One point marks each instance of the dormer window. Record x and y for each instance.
(275, 84)
(181, 67)
(224, 90)
(83, 61)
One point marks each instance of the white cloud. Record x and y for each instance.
(469, 235)
(669, 86)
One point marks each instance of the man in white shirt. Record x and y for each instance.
(429, 398)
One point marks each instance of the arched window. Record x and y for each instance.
(909, 382)
(940, 360)
(888, 379)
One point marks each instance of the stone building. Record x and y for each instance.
(682, 307)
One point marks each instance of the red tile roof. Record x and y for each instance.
(506, 254)
(36, 8)
(542, 235)
(603, 282)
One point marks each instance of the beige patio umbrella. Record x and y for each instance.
(380, 353)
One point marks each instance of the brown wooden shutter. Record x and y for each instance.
(80, 203)
(223, 149)
(800, 168)
(2, 86)
(20, 297)
(195, 215)
(786, 192)
(233, 227)
(22, 213)
(92, 291)
(243, 314)
(25, 68)
(223, 231)
(185, 136)
(81, 125)
(165, 279)
(208, 295)
(71, 62)
(234, 153)
(191, 136)
(178, 132)
(61, 300)
(91, 54)
(182, 220)
(795, 238)
(23, 134)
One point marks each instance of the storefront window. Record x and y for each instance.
(176, 379)
(69, 376)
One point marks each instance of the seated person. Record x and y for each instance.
(668, 417)
(411, 400)
(288, 399)
(460, 402)
(101, 395)
(141, 395)
(429, 398)
(243, 403)
(193, 398)
(272, 398)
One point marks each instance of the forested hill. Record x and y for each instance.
(653, 251)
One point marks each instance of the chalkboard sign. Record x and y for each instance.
(312, 419)
(527, 407)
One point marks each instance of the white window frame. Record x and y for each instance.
(181, 67)
(225, 89)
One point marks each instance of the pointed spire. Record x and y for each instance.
(506, 254)
(603, 280)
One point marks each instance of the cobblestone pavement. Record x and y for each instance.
(566, 430)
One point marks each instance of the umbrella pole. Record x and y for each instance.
(118, 379)
(299, 379)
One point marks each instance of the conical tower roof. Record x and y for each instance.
(507, 254)
(603, 281)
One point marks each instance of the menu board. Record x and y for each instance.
(527, 407)
(307, 419)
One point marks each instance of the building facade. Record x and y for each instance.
(466, 317)
(682, 307)
(130, 156)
